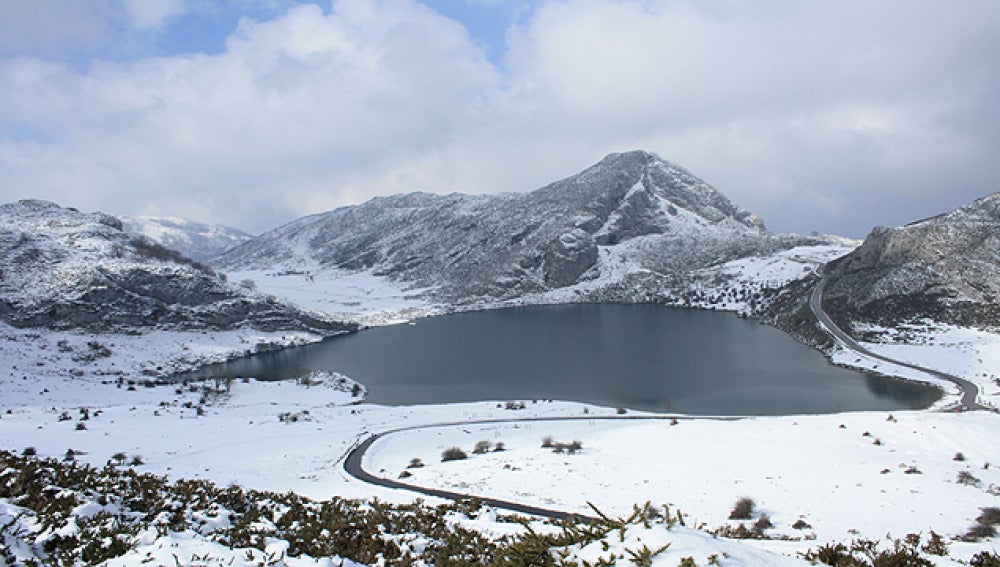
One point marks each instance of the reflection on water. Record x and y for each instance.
(639, 356)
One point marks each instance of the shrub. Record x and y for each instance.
(574, 447)
(978, 532)
(29, 452)
(499, 447)
(912, 469)
(762, 523)
(453, 454)
(547, 442)
(958, 456)
(415, 463)
(989, 517)
(137, 461)
(119, 458)
(620, 411)
(966, 478)
(936, 545)
(801, 524)
(481, 447)
(985, 559)
(81, 426)
(743, 509)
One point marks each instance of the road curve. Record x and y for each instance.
(970, 392)
(353, 462)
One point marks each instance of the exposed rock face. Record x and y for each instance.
(946, 268)
(198, 241)
(468, 247)
(65, 269)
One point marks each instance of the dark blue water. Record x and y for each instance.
(637, 356)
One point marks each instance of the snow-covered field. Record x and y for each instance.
(844, 475)
(971, 353)
(362, 297)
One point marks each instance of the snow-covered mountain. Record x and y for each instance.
(630, 213)
(198, 241)
(946, 268)
(60, 268)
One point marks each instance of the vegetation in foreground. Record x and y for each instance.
(66, 513)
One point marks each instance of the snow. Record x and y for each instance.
(973, 354)
(362, 296)
(701, 466)
(294, 436)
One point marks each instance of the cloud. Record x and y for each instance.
(306, 100)
(152, 14)
(53, 27)
(828, 115)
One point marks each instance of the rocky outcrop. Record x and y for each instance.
(64, 269)
(946, 268)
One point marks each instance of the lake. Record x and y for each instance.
(645, 357)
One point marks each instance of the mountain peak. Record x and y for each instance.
(664, 219)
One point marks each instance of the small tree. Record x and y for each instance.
(547, 442)
(481, 447)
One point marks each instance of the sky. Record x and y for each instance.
(829, 116)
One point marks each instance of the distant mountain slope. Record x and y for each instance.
(61, 268)
(198, 241)
(657, 217)
(946, 268)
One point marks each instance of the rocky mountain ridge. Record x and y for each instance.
(65, 269)
(631, 208)
(945, 268)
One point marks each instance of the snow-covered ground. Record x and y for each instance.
(362, 297)
(291, 437)
(973, 354)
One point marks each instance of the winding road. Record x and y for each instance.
(352, 460)
(970, 392)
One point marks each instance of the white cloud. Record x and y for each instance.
(826, 115)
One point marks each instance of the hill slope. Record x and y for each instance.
(65, 269)
(198, 241)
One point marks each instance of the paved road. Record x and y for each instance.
(353, 462)
(970, 392)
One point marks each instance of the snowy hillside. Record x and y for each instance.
(946, 268)
(198, 241)
(65, 269)
(645, 213)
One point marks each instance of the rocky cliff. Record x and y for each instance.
(946, 268)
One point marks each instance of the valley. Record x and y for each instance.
(86, 373)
